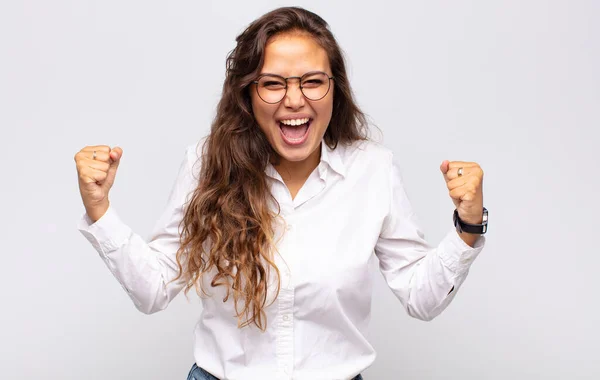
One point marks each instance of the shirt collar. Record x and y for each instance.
(333, 158)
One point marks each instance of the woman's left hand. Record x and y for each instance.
(466, 190)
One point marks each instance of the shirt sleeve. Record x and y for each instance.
(143, 267)
(424, 278)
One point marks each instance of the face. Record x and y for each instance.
(283, 122)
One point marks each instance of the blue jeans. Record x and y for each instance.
(197, 373)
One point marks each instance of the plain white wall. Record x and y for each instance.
(513, 85)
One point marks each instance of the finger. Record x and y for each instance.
(92, 175)
(453, 173)
(86, 167)
(450, 168)
(89, 155)
(457, 182)
(97, 165)
(463, 193)
(464, 164)
(112, 155)
(473, 170)
(100, 156)
(473, 181)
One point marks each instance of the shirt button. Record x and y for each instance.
(286, 317)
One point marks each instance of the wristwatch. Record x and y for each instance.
(471, 228)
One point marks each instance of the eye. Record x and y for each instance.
(274, 84)
(314, 82)
(271, 83)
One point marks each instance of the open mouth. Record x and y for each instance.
(295, 132)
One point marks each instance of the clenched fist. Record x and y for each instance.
(465, 185)
(96, 169)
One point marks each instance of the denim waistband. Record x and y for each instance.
(198, 373)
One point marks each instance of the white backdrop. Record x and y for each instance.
(512, 85)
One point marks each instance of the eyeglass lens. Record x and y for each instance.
(272, 88)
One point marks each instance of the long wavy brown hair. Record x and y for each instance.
(228, 223)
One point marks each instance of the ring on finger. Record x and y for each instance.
(460, 172)
(93, 155)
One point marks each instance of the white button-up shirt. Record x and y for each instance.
(353, 206)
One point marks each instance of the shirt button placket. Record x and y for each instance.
(285, 333)
(285, 320)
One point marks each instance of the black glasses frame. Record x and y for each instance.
(299, 84)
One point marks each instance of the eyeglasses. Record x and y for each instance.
(272, 88)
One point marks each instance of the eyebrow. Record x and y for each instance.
(294, 76)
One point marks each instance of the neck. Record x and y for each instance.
(294, 171)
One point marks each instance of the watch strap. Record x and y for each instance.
(471, 228)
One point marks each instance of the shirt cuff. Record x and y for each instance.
(458, 255)
(107, 234)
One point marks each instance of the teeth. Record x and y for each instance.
(295, 121)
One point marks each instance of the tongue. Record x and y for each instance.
(295, 131)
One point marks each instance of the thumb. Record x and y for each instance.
(115, 157)
(444, 167)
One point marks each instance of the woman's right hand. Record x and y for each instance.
(96, 177)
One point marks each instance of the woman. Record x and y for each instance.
(276, 226)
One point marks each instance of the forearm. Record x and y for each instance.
(143, 269)
(432, 288)
(468, 238)
(97, 211)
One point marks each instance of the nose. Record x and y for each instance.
(294, 98)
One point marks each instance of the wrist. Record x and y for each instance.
(472, 220)
(97, 211)
(473, 225)
(469, 238)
